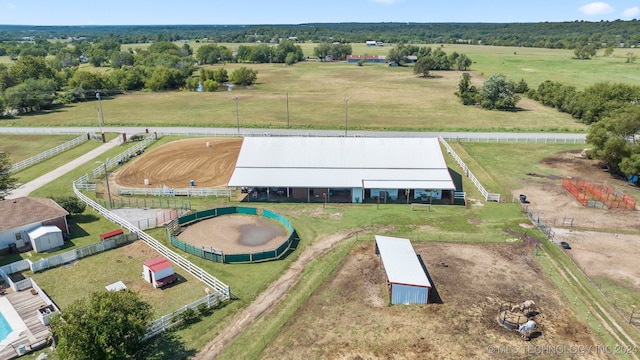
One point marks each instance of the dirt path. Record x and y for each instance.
(596, 309)
(267, 301)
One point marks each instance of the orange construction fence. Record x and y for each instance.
(584, 191)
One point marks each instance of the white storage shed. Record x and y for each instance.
(46, 238)
(407, 281)
(159, 272)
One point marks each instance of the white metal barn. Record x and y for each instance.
(159, 272)
(343, 169)
(46, 238)
(407, 282)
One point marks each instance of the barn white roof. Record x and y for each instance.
(414, 163)
(401, 262)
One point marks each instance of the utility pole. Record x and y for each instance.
(287, 94)
(106, 177)
(346, 114)
(237, 114)
(100, 114)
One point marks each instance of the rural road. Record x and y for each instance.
(570, 137)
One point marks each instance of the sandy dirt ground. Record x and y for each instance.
(348, 317)
(177, 163)
(235, 234)
(267, 300)
(603, 242)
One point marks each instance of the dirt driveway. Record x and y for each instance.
(603, 242)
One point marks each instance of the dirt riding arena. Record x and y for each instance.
(177, 163)
(603, 242)
(235, 234)
(348, 317)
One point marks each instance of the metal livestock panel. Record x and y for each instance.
(206, 214)
(265, 255)
(408, 294)
(237, 258)
(226, 210)
(247, 211)
(187, 219)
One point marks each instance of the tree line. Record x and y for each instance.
(557, 35)
(33, 82)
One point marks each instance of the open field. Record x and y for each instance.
(535, 65)
(21, 147)
(380, 98)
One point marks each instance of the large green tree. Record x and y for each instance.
(243, 76)
(467, 92)
(424, 65)
(498, 93)
(6, 181)
(613, 140)
(106, 325)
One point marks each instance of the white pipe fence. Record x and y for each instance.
(518, 140)
(167, 191)
(487, 195)
(21, 165)
(123, 157)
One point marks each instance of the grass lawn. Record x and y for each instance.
(21, 147)
(55, 162)
(500, 167)
(124, 264)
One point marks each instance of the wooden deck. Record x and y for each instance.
(26, 305)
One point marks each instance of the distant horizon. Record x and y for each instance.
(331, 23)
(282, 12)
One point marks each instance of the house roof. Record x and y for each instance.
(401, 262)
(27, 210)
(356, 162)
(158, 264)
(42, 230)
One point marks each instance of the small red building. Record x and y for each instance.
(159, 272)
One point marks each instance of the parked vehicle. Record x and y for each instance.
(565, 245)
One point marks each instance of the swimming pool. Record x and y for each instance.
(5, 328)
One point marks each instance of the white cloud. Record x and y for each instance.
(596, 8)
(386, 1)
(11, 6)
(631, 13)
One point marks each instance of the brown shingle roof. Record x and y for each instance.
(27, 210)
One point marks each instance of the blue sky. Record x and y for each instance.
(163, 12)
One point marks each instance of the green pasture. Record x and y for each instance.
(21, 147)
(534, 65)
(379, 98)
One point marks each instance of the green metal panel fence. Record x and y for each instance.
(232, 258)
